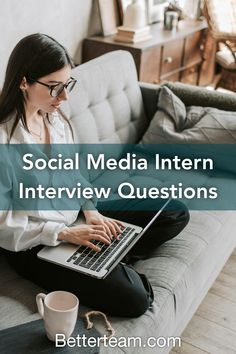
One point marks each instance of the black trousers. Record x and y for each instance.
(124, 292)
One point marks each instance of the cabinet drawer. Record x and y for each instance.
(171, 77)
(190, 75)
(150, 65)
(193, 49)
(172, 56)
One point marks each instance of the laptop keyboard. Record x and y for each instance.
(87, 258)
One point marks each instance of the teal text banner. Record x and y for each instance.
(71, 176)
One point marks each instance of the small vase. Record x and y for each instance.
(135, 15)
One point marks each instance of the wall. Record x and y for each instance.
(68, 21)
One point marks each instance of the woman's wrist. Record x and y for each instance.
(62, 235)
(88, 213)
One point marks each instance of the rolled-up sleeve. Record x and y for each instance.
(19, 230)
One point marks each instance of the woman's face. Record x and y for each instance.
(38, 96)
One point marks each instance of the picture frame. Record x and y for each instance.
(192, 8)
(155, 10)
(123, 4)
(109, 15)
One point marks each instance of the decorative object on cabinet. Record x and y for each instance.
(191, 8)
(222, 24)
(134, 27)
(167, 56)
(170, 20)
(155, 10)
(109, 15)
(122, 4)
(129, 35)
(135, 15)
(174, 6)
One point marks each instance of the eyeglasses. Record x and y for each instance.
(56, 90)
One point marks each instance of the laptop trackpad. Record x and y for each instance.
(60, 252)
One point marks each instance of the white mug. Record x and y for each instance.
(59, 309)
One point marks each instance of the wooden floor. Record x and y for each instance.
(213, 327)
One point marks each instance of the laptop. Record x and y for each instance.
(97, 264)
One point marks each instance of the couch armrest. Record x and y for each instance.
(189, 94)
(200, 96)
(150, 94)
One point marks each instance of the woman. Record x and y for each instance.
(38, 79)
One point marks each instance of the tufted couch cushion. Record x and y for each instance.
(106, 106)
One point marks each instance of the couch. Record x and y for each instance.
(109, 105)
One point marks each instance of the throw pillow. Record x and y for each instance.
(175, 124)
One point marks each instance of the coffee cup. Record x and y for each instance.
(59, 310)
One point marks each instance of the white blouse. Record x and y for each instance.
(21, 230)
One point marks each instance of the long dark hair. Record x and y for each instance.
(36, 55)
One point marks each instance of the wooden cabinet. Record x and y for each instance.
(173, 56)
(149, 69)
(193, 48)
(190, 75)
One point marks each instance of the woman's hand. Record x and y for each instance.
(84, 235)
(111, 227)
